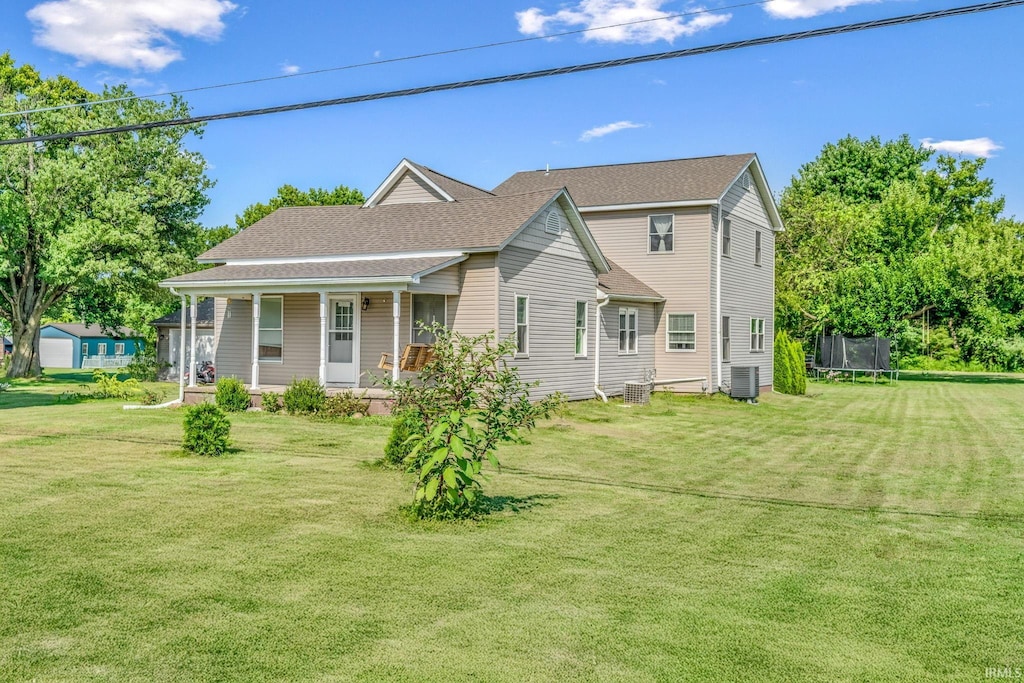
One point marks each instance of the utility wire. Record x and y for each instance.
(392, 60)
(529, 75)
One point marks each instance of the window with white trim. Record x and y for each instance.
(660, 231)
(271, 335)
(522, 325)
(726, 340)
(581, 328)
(757, 248)
(726, 237)
(682, 332)
(427, 309)
(85, 348)
(757, 334)
(102, 348)
(627, 330)
(553, 223)
(119, 349)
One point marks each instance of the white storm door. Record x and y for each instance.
(343, 340)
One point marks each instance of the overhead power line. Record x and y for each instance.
(529, 75)
(391, 60)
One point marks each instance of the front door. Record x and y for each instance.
(343, 340)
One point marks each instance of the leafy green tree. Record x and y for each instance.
(289, 195)
(90, 225)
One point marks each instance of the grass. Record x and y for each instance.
(860, 533)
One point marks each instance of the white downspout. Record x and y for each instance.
(717, 381)
(597, 348)
(193, 370)
(396, 312)
(181, 366)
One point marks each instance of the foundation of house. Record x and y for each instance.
(380, 399)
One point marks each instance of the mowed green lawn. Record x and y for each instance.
(860, 533)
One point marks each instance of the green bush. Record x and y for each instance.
(207, 430)
(151, 397)
(271, 401)
(304, 397)
(344, 404)
(144, 366)
(790, 375)
(408, 423)
(109, 386)
(232, 396)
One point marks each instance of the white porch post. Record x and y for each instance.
(323, 338)
(396, 311)
(255, 384)
(193, 311)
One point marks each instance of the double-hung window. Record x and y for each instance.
(726, 340)
(660, 231)
(522, 325)
(627, 330)
(757, 248)
(85, 348)
(682, 332)
(102, 348)
(726, 237)
(271, 337)
(757, 334)
(119, 349)
(427, 310)
(581, 328)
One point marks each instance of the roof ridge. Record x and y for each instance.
(448, 177)
(640, 163)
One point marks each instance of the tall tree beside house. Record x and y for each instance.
(289, 195)
(879, 234)
(92, 224)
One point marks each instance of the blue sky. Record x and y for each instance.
(943, 81)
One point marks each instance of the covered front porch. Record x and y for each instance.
(379, 399)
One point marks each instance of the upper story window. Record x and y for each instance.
(553, 223)
(757, 248)
(682, 332)
(660, 230)
(726, 237)
(522, 325)
(427, 309)
(627, 330)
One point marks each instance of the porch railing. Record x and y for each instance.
(90, 362)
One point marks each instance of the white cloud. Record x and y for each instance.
(590, 14)
(133, 34)
(376, 54)
(802, 9)
(975, 147)
(601, 131)
(290, 69)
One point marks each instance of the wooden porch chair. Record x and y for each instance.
(414, 357)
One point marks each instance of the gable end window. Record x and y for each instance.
(682, 332)
(660, 231)
(627, 331)
(553, 223)
(726, 237)
(581, 328)
(271, 329)
(757, 248)
(757, 335)
(726, 340)
(522, 325)
(427, 309)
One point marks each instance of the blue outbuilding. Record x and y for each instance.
(73, 345)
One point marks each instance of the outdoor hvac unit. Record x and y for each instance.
(637, 393)
(746, 382)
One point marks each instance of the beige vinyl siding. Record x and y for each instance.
(474, 311)
(748, 291)
(233, 338)
(618, 369)
(376, 334)
(410, 189)
(163, 345)
(553, 284)
(534, 237)
(444, 281)
(682, 276)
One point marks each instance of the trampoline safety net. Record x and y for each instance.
(836, 352)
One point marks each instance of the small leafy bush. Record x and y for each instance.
(144, 366)
(345, 404)
(398, 447)
(304, 397)
(232, 396)
(271, 402)
(151, 397)
(207, 430)
(109, 386)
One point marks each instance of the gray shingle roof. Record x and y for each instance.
(335, 270)
(618, 282)
(80, 330)
(652, 181)
(204, 315)
(457, 189)
(471, 224)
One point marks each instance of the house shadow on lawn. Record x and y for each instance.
(491, 505)
(960, 377)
